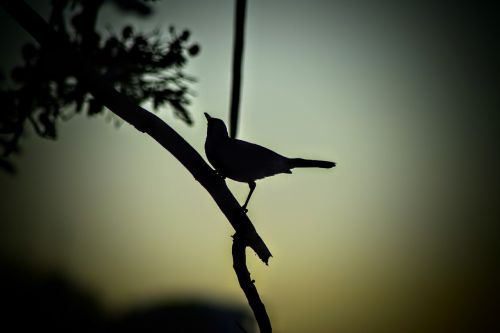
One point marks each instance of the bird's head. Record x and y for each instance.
(215, 127)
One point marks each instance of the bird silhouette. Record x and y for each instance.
(246, 162)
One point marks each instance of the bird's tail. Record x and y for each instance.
(302, 163)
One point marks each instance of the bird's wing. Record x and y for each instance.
(248, 161)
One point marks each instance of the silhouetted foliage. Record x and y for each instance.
(184, 316)
(49, 302)
(147, 67)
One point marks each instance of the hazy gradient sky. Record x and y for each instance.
(395, 239)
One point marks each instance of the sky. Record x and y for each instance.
(400, 236)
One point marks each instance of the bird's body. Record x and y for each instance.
(244, 161)
(247, 162)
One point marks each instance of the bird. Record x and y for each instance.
(247, 162)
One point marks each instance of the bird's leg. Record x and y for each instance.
(252, 186)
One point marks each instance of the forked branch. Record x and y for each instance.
(141, 119)
(248, 286)
(239, 241)
(147, 122)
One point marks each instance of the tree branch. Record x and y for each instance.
(143, 120)
(239, 38)
(239, 243)
(248, 286)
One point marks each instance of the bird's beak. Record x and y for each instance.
(207, 116)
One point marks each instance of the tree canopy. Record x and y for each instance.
(43, 90)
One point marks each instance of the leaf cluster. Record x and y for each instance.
(44, 90)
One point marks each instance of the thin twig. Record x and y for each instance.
(239, 39)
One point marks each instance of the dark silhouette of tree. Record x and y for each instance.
(51, 302)
(78, 59)
(143, 66)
